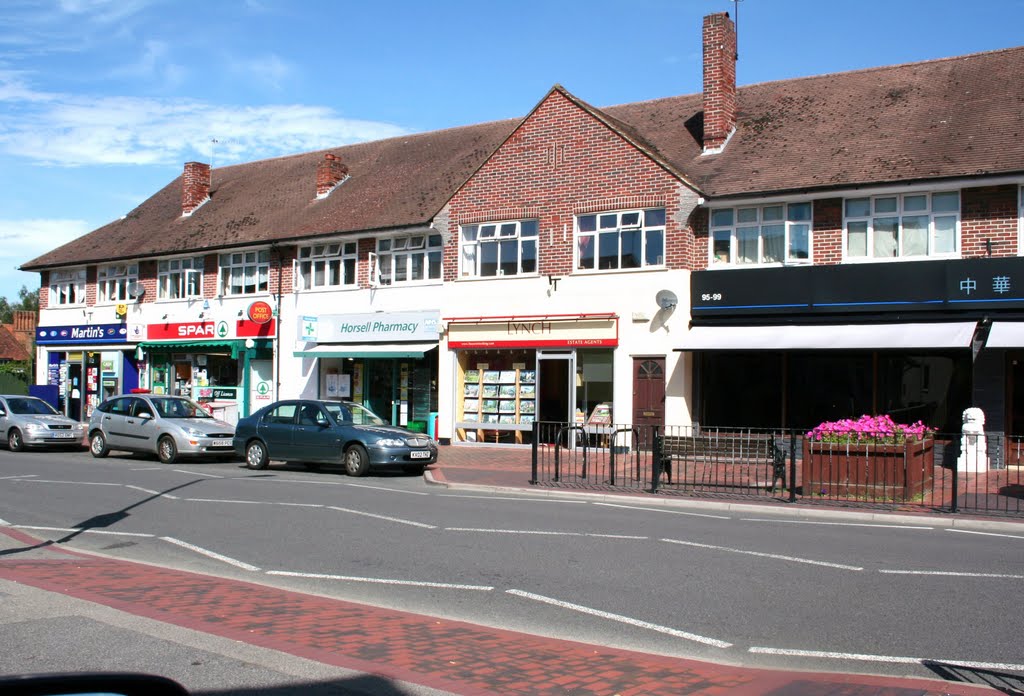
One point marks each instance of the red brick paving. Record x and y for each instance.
(451, 655)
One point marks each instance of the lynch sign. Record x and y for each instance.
(528, 332)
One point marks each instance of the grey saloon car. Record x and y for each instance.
(26, 421)
(171, 427)
(330, 432)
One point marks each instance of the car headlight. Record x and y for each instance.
(192, 432)
(34, 427)
(391, 442)
(79, 426)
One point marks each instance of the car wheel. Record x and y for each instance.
(98, 445)
(414, 469)
(166, 450)
(256, 455)
(357, 463)
(15, 441)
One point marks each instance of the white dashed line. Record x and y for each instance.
(146, 490)
(197, 473)
(778, 557)
(19, 476)
(381, 581)
(954, 574)
(225, 500)
(211, 554)
(671, 512)
(383, 488)
(892, 659)
(621, 619)
(83, 530)
(1005, 536)
(534, 532)
(833, 524)
(513, 500)
(382, 517)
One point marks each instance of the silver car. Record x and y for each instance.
(171, 427)
(26, 421)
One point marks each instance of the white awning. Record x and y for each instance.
(365, 350)
(830, 336)
(1006, 334)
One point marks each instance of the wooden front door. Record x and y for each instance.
(648, 396)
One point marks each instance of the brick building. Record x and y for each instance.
(772, 254)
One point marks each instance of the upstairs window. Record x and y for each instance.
(414, 258)
(622, 240)
(766, 234)
(67, 287)
(499, 249)
(245, 272)
(112, 281)
(180, 278)
(327, 266)
(902, 226)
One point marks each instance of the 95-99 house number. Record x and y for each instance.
(711, 297)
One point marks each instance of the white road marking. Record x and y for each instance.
(621, 619)
(19, 476)
(83, 530)
(514, 500)
(307, 505)
(833, 524)
(778, 557)
(672, 512)
(967, 531)
(894, 659)
(148, 468)
(225, 500)
(382, 517)
(212, 554)
(5, 523)
(384, 488)
(146, 490)
(534, 532)
(381, 581)
(197, 473)
(955, 574)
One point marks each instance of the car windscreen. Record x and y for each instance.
(31, 407)
(179, 408)
(354, 414)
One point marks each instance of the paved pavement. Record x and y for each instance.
(406, 648)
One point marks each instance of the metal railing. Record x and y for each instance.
(976, 474)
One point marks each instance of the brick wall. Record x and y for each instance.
(559, 163)
(719, 38)
(148, 280)
(828, 232)
(44, 289)
(282, 269)
(90, 286)
(210, 275)
(988, 214)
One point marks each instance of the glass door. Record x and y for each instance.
(556, 390)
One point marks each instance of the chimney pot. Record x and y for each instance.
(719, 38)
(195, 186)
(330, 172)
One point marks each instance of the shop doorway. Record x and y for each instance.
(379, 388)
(648, 397)
(556, 386)
(73, 402)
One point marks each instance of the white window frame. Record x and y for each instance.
(511, 237)
(403, 255)
(902, 209)
(112, 281)
(179, 278)
(324, 260)
(737, 235)
(67, 287)
(610, 226)
(1020, 220)
(251, 267)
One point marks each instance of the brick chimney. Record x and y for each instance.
(719, 80)
(195, 186)
(329, 173)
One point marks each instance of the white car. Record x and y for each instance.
(26, 421)
(170, 427)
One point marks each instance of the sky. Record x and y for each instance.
(103, 101)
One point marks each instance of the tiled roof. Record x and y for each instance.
(10, 347)
(954, 117)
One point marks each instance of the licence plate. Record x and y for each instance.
(419, 455)
(64, 435)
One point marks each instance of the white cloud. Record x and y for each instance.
(268, 70)
(70, 130)
(153, 65)
(23, 240)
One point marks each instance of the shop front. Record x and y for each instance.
(226, 365)
(513, 371)
(87, 363)
(385, 361)
(917, 341)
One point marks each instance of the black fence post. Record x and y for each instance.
(956, 478)
(534, 450)
(656, 450)
(792, 466)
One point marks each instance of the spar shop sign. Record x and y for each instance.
(189, 330)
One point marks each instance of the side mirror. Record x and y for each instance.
(3, 413)
(145, 415)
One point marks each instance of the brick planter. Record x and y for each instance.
(885, 472)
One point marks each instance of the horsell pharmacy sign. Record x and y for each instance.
(574, 331)
(81, 334)
(381, 327)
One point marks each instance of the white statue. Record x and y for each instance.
(973, 450)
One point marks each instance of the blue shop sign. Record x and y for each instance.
(81, 334)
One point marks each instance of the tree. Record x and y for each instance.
(28, 300)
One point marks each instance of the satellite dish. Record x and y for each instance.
(666, 299)
(136, 290)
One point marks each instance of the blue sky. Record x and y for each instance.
(103, 101)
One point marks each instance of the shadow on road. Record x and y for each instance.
(1003, 682)
(359, 685)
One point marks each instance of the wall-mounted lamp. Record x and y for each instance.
(164, 316)
(206, 304)
(250, 344)
(552, 284)
(240, 312)
(202, 314)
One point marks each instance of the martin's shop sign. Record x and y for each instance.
(81, 334)
(379, 327)
(986, 285)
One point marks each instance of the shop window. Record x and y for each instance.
(620, 240)
(498, 396)
(911, 225)
(67, 287)
(760, 235)
(180, 278)
(112, 281)
(222, 371)
(499, 249)
(413, 258)
(245, 272)
(326, 266)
